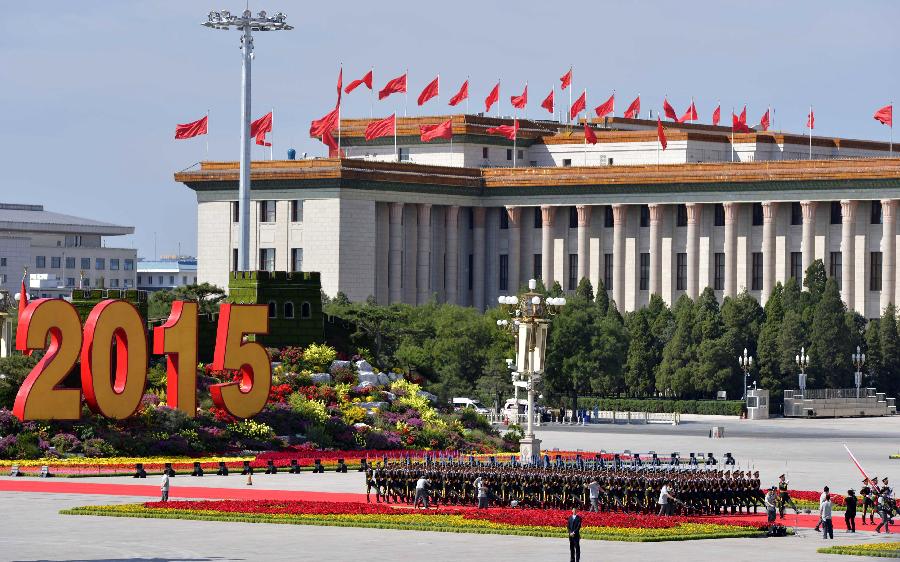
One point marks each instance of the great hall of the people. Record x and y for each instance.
(456, 221)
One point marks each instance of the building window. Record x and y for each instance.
(235, 211)
(509, 154)
(471, 272)
(504, 219)
(608, 217)
(536, 266)
(757, 214)
(159, 278)
(504, 272)
(2, 262)
(608, 271)
(681, 218)
(55, 262)
(70, 263)
(834, 267)
(70, 281)
(796, 214)
(171, 279)
(140, 279)
(267, 259)
(757, 272)
(40, 262)
(296, 211)
(86, 282)
(538, 219)
(296, 259)
(645, 216)
(114, 264)
(289, 310)
(471, 216)
(403, 154)
(719, 271)
(645, 272)
(681, 271)
(305, 311)
(573, 271)
(719, 216)
(875, 271)
(149, 279)
(484, 152)
(129, 265)
(567, 162)
(573, 217)
(875, 213)
(100, 264)
(797, 266)
(273, 310)
(836, 212)
(114, 283)
(184, 279)
(234, 259)
(520, 154)
(85, 263)
(267, 211)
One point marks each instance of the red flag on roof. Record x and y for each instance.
(634, 109)
(660, 133)
(462, 94)
(668, 110)
(340, 86)
(717, 115)
(606, 107)
(811, 119)
(578, 105)
(737, 125)
(430, 91)
(743, 117)
(885, 115)
(367, 80)
(566, 79)
(23, 295)
(260, 127)
(589, 135)
(381, 128)
(519, 102)
(440, 131)
(690, 114)
(508, 131)
(548, 102)
(492, 98)
(328, 140)
(194, 128)
(323, 125)
(764, 121)
(395, 86)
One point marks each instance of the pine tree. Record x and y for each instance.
(888, 380)
(641, 363)
(743, 319)
(585, 290)
(768, 360)
(601, 298)
(814, 280)
(674, 374)
(872, 349)
(829, 346)
(556, 290)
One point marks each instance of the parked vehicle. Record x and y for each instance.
(460, 403)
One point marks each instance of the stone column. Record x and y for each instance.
(770, 208)
(656, 212)
(808, 242)
(451, 269)
(730, 248)
(619, 255)
(888, 251)
(423, 259)
(478, 251)
(396, 252)
(848, 262)
(693, 248)
(547, 214)
(584, 224)
(515, 248)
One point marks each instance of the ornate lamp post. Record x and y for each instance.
(529, 322)
(802, 361)
(859, 359)
(746, 362)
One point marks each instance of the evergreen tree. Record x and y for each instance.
(572, 359)
(601, 298)
(641, 362)
(792, 296)
(556, 290)
(743, 319)
(674, 373)
(768, 359)
(888, 379)
(611, 346)
(585, 290)
(829, 347)
(791, 338)
(662, 324)
(814, 280)
(713, 359)
(873, 366)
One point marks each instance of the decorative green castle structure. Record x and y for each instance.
(84, 300)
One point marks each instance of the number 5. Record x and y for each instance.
(248, 397)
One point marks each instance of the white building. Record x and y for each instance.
(71, 249)
(166, 274)
(420, 229)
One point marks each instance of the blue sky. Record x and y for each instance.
(91, 91)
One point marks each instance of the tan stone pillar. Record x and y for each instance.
(848, 255)
(888, 252)
(808, 242)
(770, 208)
(656, 212)
(619, 214)
(584, 224)
(547, 214)
(730, 248)
(515, 248)
(693, 249)
(423, 259)
(396, 252)
(478, 256)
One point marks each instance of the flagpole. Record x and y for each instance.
(405, 99)
(526, 99)
(498, 97)
(732, 133)
(439, 89)
(810, 124)
(396, 154)
(467, 95)
(207, 134)
(585, 149)
(451, 141)
(272, 144)
(372, 93)
(515, 135)
(891, 145)
(571, 79)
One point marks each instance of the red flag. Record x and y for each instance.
(508, 131)
(260, 127)
(430, 91)
(589, 135)
(743, 117)
(195, 128)
(764, 121)
(395, 86)
(548, 102)
(566, 79)
(340, 86)
(669, 110)
(578, 106)
(23, 295)
(462, 94)
(328, 140)
(634, 109)
(367, 80)
(440, 131)
(690, 114)
(811, 119)
(321, 126)
(885, 115)
(661, 133)
(717, 115)
(738, 125)
(381, 128)
(606, 107)
(519, 102)
(492, 98)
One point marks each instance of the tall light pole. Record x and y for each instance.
(530, 315)
(246, 23)
(802, 361)
(746, 362)
(859, 359)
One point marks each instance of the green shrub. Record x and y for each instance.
(706, 407)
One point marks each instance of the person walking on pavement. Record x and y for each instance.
(573, 526)
(421, 492)
(825, 518)
(771, 501)
(884, 511)
(164, 486)
(822, 498)
(594, 490)
(850, 511)
(666, 501)
(481, 489)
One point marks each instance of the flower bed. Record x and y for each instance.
(540, 523)
(881, 550)
(81, 466)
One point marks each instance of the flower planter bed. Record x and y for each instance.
(880, 550)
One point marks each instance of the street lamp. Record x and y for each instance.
(746, 362)
(859, 359)
(529, 322)
(802, 361)
(246, 23)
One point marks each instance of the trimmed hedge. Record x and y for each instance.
(707, 407)
(879, 550)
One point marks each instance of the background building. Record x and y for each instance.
(166, 274)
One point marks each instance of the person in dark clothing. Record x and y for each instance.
(850, 511)
(573, 526)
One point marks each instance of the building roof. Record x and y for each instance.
(33, 218)
(173, 266)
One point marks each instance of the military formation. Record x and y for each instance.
(692, 490)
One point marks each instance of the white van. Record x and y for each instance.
(461, 402)
(515, 410)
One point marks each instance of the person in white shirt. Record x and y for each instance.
(822, 497)
(594, 490)
(164, 487)
(825, 518)
(771, 502)
(421, 492)
(666, 501)
(481, 487)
